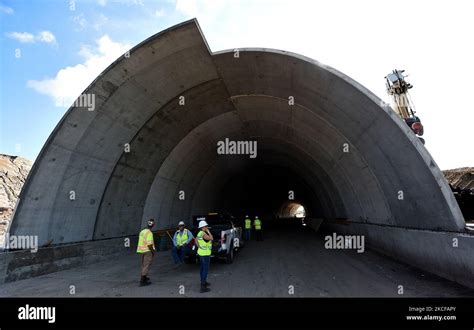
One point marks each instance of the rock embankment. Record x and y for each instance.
(13, 173)
(461, 181)
(460, 178)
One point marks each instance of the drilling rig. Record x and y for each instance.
(397, 89)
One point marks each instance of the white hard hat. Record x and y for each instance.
(181, 223)
(202, 224)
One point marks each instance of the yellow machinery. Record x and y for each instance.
(397, 88)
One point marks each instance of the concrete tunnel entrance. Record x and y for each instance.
(149, 150)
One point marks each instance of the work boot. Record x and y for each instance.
(207, 284)
(143, 281)
(204, 288)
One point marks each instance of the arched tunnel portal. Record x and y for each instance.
(319, 134)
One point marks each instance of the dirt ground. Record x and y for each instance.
(286, 261)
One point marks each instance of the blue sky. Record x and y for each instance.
(65, 44)
(27, 116)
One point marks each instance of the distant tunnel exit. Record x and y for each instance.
(292, 210)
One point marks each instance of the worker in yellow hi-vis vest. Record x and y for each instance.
(146, 249)
(248, 227)
(181, 239)
(204, 243)
(257, 223)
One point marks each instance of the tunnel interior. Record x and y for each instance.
(267, 190)
(238, 184)
(275, 184)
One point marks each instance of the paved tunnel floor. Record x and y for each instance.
(261, 269)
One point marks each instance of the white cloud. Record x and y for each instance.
(102, 3)
(71, 81)
(23, 37)
(160, 12)
(26, 37)
(187, 7)
(6, 10)
(211, 10)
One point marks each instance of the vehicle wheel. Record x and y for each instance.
(230, 257)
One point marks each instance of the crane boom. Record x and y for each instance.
(397, 89)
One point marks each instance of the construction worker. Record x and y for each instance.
(258, 228)
(248, 228)
(204, 243)
(146, 248)
(181, 239)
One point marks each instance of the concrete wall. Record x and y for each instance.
(18, 265)
(431, 251)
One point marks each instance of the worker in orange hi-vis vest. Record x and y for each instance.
(146, 249)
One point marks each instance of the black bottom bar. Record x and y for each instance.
(316, 313)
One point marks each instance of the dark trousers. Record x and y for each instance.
(204, 268)
(179, 254)
(259, 235)
(247, 234)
